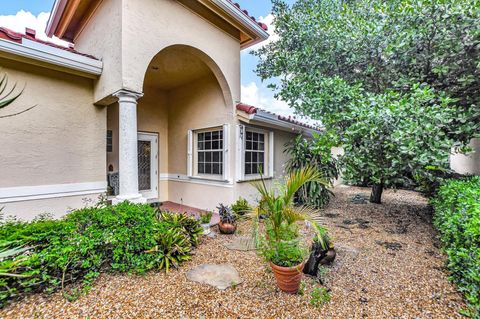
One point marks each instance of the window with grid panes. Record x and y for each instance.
(210, 152)
(254, 153)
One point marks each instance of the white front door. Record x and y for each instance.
(148, 165)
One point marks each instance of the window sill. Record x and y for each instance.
(208, 179)
(254, 178)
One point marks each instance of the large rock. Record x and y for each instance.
(220, 276)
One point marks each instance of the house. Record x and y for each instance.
(145, 101)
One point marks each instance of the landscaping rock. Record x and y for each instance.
(220, 276)
(241, 243)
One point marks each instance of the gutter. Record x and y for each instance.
(45, 53)
(233, 11)
(271, 120)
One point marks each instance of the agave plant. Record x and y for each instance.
(189, 225)
(173, 248)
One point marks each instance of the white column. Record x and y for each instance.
(127, 140)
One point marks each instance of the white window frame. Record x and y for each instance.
(241, 149)
(192, 154)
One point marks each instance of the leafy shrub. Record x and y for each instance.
(457, 217)
(205, 217)
(316, 153)
(52, 253)
(241, 207)
(186, 224)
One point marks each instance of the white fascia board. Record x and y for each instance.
(45, 53)
(57, 11)
(235, 12)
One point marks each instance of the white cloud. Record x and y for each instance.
(24, 19)
(268, 20)
(253, 95)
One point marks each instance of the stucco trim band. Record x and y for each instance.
(24, 193)
(41, 52)
(194, 180)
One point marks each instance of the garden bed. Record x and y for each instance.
(388, 265)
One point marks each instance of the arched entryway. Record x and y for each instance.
(183, 91)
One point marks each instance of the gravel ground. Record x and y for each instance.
(388, 266)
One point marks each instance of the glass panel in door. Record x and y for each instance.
(144, 165)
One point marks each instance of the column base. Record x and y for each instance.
(133, 198)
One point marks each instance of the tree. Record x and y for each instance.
(345, 62)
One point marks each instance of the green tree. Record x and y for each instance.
(345, 62)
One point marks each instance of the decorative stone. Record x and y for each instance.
(241, 243)
(220, 276)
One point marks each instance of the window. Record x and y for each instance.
(210, 152)
(109, 141)
(254, 153)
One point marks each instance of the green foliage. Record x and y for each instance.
(397, 81)
(186, 224)
(397, 136)
(241, 207)
(315, 152)
(457, 217)
(9, 94)
(125, 237)
(319, 296)
(205, 217)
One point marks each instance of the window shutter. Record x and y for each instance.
(271, 152)
(190, 153)
(226, 152)
(240, 143)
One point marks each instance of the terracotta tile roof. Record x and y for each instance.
(17, 37)
(262, 25)
(249, 109)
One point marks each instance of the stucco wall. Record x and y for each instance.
(102, 38)
(467, 164)
(60, 141)
(165, 23)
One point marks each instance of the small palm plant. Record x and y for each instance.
(280, 243)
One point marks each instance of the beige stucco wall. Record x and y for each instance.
(60, 141)
(102, 38)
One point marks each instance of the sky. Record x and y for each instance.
(18, 14)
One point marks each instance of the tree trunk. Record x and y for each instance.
(376, 196)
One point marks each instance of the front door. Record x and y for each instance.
(148, 165)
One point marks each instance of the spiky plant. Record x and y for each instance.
(8, 95)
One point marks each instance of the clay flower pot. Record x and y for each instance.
(288, 278)
(227, 228)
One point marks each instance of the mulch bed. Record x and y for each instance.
(388, 266)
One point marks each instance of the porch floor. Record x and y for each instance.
(192, 211)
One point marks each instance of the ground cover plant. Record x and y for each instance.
(47, 255)
(457, 217)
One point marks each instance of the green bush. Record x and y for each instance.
(457, 217)
(315, 152)
(241, 207)
(126, 238)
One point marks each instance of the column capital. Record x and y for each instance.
(127, 95)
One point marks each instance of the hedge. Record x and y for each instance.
(457, 218)
(47, 255)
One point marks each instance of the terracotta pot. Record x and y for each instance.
(288, 278)
(227, 228)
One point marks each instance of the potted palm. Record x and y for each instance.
(278, 241)
(227, 223)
